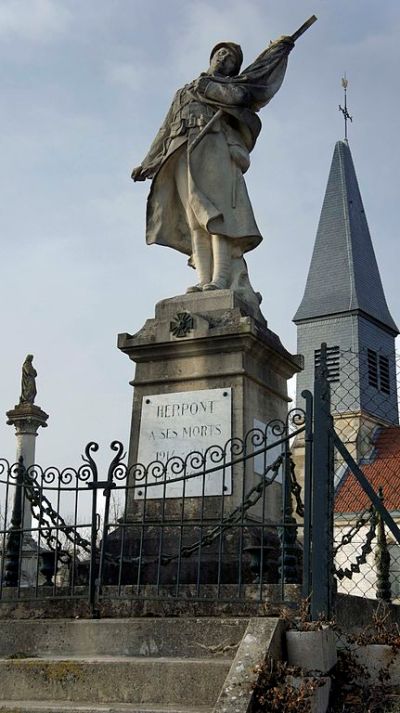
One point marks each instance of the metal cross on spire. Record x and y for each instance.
(344, 110)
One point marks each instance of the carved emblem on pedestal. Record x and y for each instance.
(181, 325)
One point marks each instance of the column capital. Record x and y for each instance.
(27, 418)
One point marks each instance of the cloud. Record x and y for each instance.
(33, 20)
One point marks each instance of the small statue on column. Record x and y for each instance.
(26, 417)
(28, 381)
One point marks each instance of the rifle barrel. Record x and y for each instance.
(304, 27)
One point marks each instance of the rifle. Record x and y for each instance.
(304, 27)
(220, 112)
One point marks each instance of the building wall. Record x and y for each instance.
(335, 331)
(374, 400)
(354, 335)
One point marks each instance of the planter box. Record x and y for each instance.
(378, 658)
(319, 700)
(312, 650)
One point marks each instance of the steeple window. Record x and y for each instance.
(372, 358)
(332, 363)
(384, 375)
(378, 371)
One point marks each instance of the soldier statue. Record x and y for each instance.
(198, 201)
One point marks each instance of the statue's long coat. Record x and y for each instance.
(217, 192)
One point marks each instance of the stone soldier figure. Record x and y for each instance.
(198, 202)
(28, 381)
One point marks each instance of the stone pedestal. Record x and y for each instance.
(208, 341)
(205, 343)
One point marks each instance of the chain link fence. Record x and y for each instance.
(365, 409)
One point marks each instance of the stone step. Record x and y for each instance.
(112, 679)
(77, 707)
(192, 637)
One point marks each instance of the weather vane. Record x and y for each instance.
(344, 110)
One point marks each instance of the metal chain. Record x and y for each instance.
(296, 489)
(364, 518)
(252, 497)
(366, 549)
(37, 499)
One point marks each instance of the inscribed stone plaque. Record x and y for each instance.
(174, 425)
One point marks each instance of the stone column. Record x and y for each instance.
(26, 418)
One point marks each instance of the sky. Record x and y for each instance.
(85, 85)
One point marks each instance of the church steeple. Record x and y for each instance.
(344, 303)
(344, 276)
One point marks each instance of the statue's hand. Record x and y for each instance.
(287, 39)
(139, 174)
(200, 84)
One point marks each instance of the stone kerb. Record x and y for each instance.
(263, 637)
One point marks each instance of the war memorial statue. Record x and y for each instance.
(198, 202)
(211, 345)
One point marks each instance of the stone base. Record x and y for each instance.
(150, 556)
(149, 601)
(209, 341)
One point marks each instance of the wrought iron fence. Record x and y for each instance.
(221, 525)
(231, 524)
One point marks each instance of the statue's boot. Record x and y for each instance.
(222, 255)
(201, 258)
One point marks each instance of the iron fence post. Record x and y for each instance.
(93, 564)
(15, 533)
(110, 485)
(289, 549)
(93, 570)
(97, 555)
(322, 496)
(308, 441)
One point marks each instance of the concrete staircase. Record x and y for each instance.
(116, 665)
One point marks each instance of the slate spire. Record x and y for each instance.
(344, 275)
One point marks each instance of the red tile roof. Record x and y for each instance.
(383, 470)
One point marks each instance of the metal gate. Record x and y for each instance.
(331, 457)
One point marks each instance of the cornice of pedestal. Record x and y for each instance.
(213, 332)
(27, 418)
